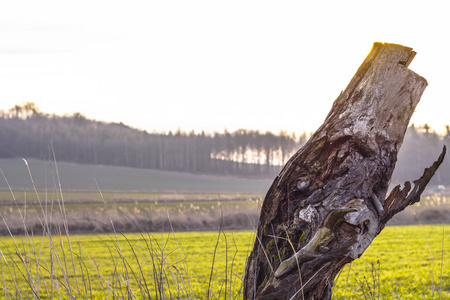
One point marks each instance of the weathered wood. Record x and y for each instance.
(326, 205)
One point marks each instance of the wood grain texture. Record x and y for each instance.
(327, 204)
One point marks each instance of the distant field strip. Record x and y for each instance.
(404, 262)
(77, 177)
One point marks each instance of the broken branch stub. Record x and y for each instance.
(327, 204)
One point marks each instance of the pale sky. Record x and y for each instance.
(210, 65)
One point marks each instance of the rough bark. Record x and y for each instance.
(329, 202)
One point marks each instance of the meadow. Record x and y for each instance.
(139, 246)
(404, 262)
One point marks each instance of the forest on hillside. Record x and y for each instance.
(27, 132)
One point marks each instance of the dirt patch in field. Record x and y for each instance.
(165, 217)
(133, 217)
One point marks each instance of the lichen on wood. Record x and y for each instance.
(327, 204)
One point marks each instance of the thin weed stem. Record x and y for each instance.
(442, 262)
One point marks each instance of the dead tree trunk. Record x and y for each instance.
(329, 202)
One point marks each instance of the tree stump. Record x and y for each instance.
(329, 202)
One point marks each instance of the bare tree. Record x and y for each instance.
(329, 201)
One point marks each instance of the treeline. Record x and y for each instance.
(27, 132)
(421, 147)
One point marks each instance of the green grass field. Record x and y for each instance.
(404, 262)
